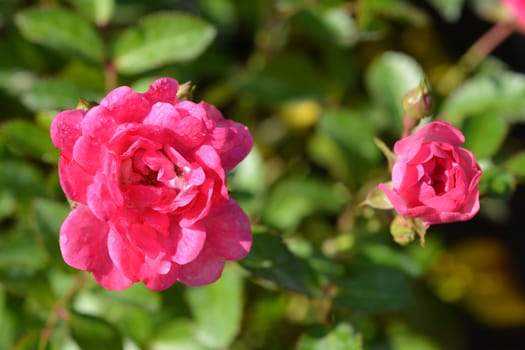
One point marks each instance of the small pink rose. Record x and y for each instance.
(433, 177)
(148, 173)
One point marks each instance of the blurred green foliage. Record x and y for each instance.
(315, 81)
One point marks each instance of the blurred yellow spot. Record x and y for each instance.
(300, 114)
(479, 273)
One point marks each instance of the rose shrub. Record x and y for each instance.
(147, 174)
(434, 178)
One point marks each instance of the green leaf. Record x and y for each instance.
(248, 176)
(498, 183)
(176, 335)
(19, 253)
(374, 289)
(377, 199)
(136, 310)
(340, 25)
(381, 254)
(484, 134)
(449, 9)
(271, 259)
(247, 183)
(16, 81)
(55, 94)
(21, 179)
(498, 92)
(7, 204)
(282, 79)
(222, 12)
(161, 39)
(338, 123)
(30, 139)
(32, 286)
(516, 164)
(217, 309)
(99, 11)
(390, 156)
(402, 338)
(324, 151)
(340, 337)
(7, 324)
(29, 341)
(376, 16)
(94, 333)
(50, 215)
(294, 199)
(102, 302)
(61, 30)
(389, 78)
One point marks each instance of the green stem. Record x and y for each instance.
(110, 76)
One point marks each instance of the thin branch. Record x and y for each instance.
(474, 56)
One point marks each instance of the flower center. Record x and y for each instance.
(437, 174)
(151, 168)
(150, 179)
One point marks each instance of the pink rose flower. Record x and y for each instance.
(147, 172)
(434, 178)
(517, 9)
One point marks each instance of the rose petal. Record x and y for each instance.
(164, 115)
(229, 231)
(200, 205)
(83, 242)
(436, 131)
(161, 282)
(232, 141)
(163, 90)
(126, 105)
(399, 204)
(73, 179)
(397, 201)
(190, 241)
(159, 222)
(99, 124)
(89, 154)
(207, 155)
(405, 175)
(145, 239)
(205, 269)
(195, 110)
(212, 112)
(99, 199)
(65, 130)
(189, 130)
(125, 256)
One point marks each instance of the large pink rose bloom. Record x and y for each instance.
(517, 9)
(434, 178)
(148, 174)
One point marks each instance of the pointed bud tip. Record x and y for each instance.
(185, 91)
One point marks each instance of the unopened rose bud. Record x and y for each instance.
(401, 230)
(417, 103)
